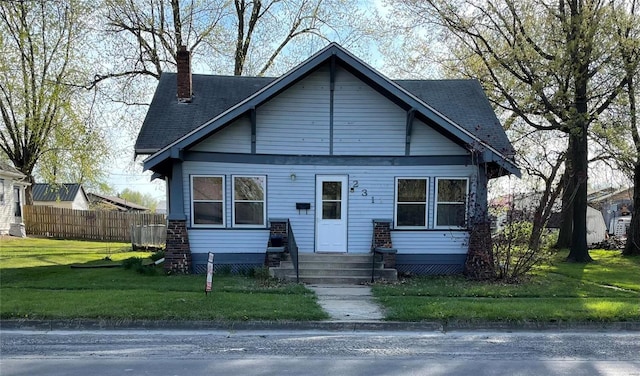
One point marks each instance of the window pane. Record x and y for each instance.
(249, 188)
(452, 190)
(207, 188)
(16, 202)
(331, 190)
(331, 210)
(451, 215)
(249, 213)
(412, 215)
(412, 190)
(207, 213)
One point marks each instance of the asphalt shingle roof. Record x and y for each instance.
(462, 101)
(168, 120)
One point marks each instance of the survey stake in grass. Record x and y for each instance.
(207, 287)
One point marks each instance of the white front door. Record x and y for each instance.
(331, 213)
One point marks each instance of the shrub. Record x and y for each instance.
(157, 255)
(512, 256)
(136, 263)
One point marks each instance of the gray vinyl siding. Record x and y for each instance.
(373, 198)
(235, 138)
(427, 141)
(297, 120)
(365, 122)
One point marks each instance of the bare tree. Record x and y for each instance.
(546, 63)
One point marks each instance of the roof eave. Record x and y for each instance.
(297, 74)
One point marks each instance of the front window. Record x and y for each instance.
(411, 202)
(249, 194)
(451, 202)
(207, 207)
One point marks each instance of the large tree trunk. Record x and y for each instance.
(568, 192)
(633, 236)
(579, 161)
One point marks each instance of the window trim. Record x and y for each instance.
(436, 202)
(233, 202)
(224, 202)
(396, 202)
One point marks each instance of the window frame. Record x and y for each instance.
(396, 203)
(223, 202)
(263, 201)
(436, 203)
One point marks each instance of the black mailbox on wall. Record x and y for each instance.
(303, 205)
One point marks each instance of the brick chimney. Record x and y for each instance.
(183, 61)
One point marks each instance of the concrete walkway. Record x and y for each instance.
(348, 302)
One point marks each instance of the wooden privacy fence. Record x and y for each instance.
(92, 224)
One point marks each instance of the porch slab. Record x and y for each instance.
(348, 302)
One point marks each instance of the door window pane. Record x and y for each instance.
(331, 210)
(331, 190)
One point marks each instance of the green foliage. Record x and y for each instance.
(512, 256)
(48, 121)
(36, 282)
(157, 255)
(144, 199)
(606, 290)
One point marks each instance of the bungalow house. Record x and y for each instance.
(67, 195)
(12, 193)
(323, 155)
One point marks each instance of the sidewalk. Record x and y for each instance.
(348, 303)
(350, 307)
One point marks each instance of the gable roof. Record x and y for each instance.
(167, 119)
(56, 192)
(457, 108)
(117, 202)
(8, 170)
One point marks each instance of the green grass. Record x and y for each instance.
(37, 282)
(606, 290)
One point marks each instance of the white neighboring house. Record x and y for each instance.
(68, 196)
(12, 193)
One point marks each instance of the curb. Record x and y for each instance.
(337, 326)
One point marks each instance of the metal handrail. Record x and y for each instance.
(293, 249)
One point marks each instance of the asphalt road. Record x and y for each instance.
(193, 353)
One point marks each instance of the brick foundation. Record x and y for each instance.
(479, 264)
(177, 256)
(382, 239)
(277, 232)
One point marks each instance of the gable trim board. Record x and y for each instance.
(331, 116)
(390, 89)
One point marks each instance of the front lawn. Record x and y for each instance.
(37, 282)
(606, 290)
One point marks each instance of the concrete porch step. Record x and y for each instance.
(331, 264)
(328, 272)
(332, 268)
(334, 257)
(326, 280)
